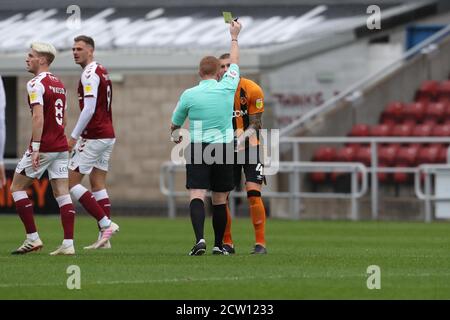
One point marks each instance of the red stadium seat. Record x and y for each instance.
(322, 154)
(414, 112)
(427, 92)
(380, 130)
(427, 155)
(387, 154)
(386, 158)
(401, 130)
(444, 92)
(406, 157)
(435, 113)
(363, 154)
(325, 154)
(442, 130)
(318, 177)
(360, 130)
(421, 130)
(345, 154)
(393, 113)
(442, 155)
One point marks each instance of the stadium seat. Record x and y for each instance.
(381, 130)
(360, 130)
(402, 130)
(414, 112)
(386, 158)
(442, 130)
(427, 155)
(363, 154)
(322, 154)
(393, 113)
(325, 154)
(406, 157)
(427, 92)
(442, 155)
(421, 130)
(435, 113)
(444, 92)
(345, 154)
(387, 154)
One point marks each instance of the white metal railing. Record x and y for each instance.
(427, 195)
(168, 170)
(374, 168)
(365, 82)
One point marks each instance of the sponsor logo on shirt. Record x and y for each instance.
(239, 113)
(87, 89)
(33, 97)
(259, 103)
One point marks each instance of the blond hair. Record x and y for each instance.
(45, 49)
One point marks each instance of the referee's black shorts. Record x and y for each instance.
(207, 166)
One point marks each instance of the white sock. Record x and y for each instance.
(201, 240)
(104, 222)
(99, 195)
(67, 242)
(33, 236)
(99, 235)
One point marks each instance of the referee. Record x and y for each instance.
(209, 108)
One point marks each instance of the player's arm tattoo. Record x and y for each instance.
(255, 124)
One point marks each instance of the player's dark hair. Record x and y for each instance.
(85, 39)
(225, 56)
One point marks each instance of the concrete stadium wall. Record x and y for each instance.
(142, 109)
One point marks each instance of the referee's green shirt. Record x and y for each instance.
(209, 107)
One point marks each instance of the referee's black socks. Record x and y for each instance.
(197, 208)
(219, 221)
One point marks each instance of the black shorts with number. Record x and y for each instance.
(212, 172)
(249, 161)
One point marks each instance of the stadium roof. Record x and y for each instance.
(140, 35)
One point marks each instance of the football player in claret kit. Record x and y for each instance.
(48, 150)
(92, 140)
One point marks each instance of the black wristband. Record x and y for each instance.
(234, 40)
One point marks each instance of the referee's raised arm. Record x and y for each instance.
(235, 28)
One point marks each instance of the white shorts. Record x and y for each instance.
(91, 153)
(54, 162)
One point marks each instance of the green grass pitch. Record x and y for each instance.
(306, 260)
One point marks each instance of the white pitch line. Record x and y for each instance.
(16, 285)
(150, 281)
